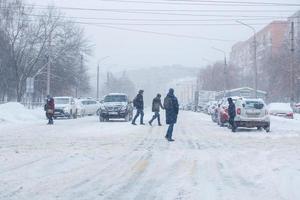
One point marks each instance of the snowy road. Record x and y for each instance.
(85, 159)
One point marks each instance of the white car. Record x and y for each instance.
(252, 113)
(79, 108)
(90, 106)
(281, 109)
(65, 107)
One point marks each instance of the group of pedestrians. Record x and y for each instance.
(170, 105)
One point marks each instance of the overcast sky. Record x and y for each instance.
(139, 48)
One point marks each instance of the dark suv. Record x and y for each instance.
(114, 106)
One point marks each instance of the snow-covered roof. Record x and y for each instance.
(116, 94)
(62, 97)
(246, 88)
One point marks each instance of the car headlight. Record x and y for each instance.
(102, 107)
(123, 108)
(66, 109)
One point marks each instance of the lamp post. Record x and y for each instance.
(98, 73)
(225, 68)
(254, 54)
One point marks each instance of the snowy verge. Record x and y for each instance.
(14, 112)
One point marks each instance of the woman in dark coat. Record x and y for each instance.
(49, 108)
(172, 108)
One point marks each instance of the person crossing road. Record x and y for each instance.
(156, 105)
(138, 103)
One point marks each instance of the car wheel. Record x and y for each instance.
(127, 118)
(75, 115)
(101, 119)
(259, 128)
(267, 129)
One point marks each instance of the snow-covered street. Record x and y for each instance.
(85, 159)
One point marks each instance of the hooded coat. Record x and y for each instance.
(156, 104)
(172, 108)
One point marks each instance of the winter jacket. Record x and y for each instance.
(231, 110)
(172, 108)
(156, 104)
(49, 107)
(138, 102)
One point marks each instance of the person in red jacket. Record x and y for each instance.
(49, 108)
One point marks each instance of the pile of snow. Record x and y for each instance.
(16, 112)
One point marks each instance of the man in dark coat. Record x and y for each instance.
(172, 107)
(49, 108)
(232, 114)
(156, 105)
(138, 103)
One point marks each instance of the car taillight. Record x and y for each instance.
(290, 115)
(238, 111)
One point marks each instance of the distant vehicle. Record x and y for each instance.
(252, 113)
(115, 105)
(281, 109)
(90, 106)
(65, 107)
(79, 108)
(296, 108)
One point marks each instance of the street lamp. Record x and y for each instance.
(254, 53)
(98, 73)
(225, 68)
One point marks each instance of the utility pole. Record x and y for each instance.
(292, 68)
(225, 71)
(49, 63)
(98, 75)
(254, 55)
(78, 93)
(255, 64)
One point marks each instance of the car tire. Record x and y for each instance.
(101, 119)
(259, 128)
(75, 114)
(267, 129)
(127, 118)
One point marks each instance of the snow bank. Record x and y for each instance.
(280, 107)
(15, 112)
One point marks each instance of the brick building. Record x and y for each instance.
(269, 40)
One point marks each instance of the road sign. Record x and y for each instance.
(30, 85)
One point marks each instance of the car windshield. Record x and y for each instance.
(61, 100)
(254, 104)
(115, 98)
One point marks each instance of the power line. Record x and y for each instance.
(167, 34)
(154, 13)
(159, 20)
(216, 3)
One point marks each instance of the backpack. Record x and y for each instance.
(134, 102)
(46, 107)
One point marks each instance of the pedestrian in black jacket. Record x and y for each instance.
(138, 103)
(156, 105)
(172, 108)
(232, 114)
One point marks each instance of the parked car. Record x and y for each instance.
(296, 108)
(65, 107)
(115, 105)
(281, 109)
(79, 108)
(90, 106)
(222, 110)
(252, 113)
